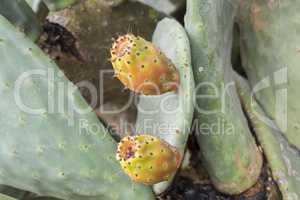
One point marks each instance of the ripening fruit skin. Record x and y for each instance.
(142, 67)
(147, 159)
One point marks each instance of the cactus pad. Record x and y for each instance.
(174, 109)
(21, 16)
(230, 154)
(53, 151)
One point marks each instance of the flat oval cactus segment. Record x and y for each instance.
(53, 148)
(21, 16)
(142, 67)
(147, 159)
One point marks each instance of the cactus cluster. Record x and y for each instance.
(147, 159)
(56, 152)
(142, 67)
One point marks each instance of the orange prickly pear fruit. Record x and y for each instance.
(142, 67)
(147, 159)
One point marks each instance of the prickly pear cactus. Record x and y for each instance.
(142, 67)
(147, 159)
(20, 14)
(271, 58)
(169, 116)
(52, 143)
(231, 156)
(283, 159)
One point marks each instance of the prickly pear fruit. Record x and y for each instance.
(142, 67)
(147, 159)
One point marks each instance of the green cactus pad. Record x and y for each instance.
(283, 159)
(169, 116)
(47, 147)
(230, 154)
(5, 197)
(19, 13)
(271, 57)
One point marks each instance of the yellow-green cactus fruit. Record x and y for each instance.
(142, 67)
(147, 159)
